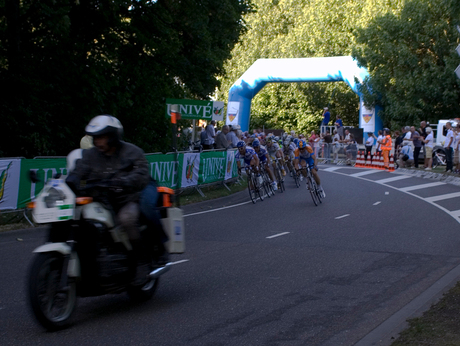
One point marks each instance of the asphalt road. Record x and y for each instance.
(278, 272)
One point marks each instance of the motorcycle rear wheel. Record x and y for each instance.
(52, 306)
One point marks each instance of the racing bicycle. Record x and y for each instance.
(311, 185)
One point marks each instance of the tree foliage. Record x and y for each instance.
(411, 59)
(66, 61)
(299, 29)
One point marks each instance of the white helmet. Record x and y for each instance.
(105, 125)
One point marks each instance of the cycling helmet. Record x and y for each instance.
(296, 141)
(269, 140)
(287, 142)
(105, 125)
(256, 143)
(302, 144)
(240, 144)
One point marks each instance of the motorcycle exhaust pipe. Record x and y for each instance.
(160, 271)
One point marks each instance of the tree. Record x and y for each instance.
(66, 61)
(411, 59)
(299, 29)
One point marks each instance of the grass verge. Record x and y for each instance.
(439, 326)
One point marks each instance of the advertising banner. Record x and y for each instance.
(197, 109)
(45, 169)
(190, 169)
(212, 166)
(367, 120)
(165, 169)
(9, 183)
(231, 169)
(233, 109)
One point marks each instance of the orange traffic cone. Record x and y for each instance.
(381, 163)
(358, 160)
(392, 164)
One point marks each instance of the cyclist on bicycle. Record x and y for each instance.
(303, 155)
(275, 152)
(264, 160)
(289, 156)
(251, 160)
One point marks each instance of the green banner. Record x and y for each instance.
(164, 168)
(213, 166)
(45, 170)
(196, 109)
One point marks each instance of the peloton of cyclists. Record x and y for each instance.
(275, 152)
(304, 155)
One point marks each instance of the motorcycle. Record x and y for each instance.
(86, 252)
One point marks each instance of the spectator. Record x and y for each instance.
(456, 148)
(327, 145)
(369, 144)
(210, 135)
(351, 149)
(339, 125)
(378, 150)
(203, 137)
(326, 119)
(407, 133)
(415, 138)
(398, 142)
(406, 156)
(449, 146)
(221, 139)
(386, 148)
(335, 146)
(429, 140)
(231, 135)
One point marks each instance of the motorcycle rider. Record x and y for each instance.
(124, 168)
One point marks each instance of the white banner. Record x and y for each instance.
(233, 109)
(9, 183)
(367, 119)
(190, 169)
(230, 159)
(218, 111)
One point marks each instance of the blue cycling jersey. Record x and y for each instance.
(262, 154)
(247, 156)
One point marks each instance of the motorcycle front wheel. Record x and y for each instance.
(51, 304)
(144, 292)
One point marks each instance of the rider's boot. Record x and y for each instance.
(139, 263)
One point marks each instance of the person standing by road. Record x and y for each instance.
(369, 144)
(449, 146)
(231, 135)
(326, 119)
(221, 139)
(428, 148)
(210, 135)
(415, 138)
(339, 126)
(386, 147)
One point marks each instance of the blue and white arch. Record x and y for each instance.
(298, 70)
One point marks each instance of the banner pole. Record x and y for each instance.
(175, 115)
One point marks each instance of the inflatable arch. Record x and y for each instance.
(263, 71)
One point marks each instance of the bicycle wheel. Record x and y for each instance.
(266, 183)
(279, 178)
(258, 187)
(318, 193)
(296, 179)
(312, 189)
(252, 193)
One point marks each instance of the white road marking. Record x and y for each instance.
(377, 203)
(277, 235)
(455, 214)
(388, 180)
(341, 217)
(212, 210)
(442, 197)
(332, 169)
(178, 262)
(364, 173)
(387, 193)
(421, 186)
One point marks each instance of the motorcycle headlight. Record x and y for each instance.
(54, 198)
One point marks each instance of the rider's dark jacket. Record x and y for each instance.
(127, 168)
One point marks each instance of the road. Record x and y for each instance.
(278, 272)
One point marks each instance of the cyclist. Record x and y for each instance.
(264, 160)
(289, 156)
(274, 151)
(303, 155)
(251, 160)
